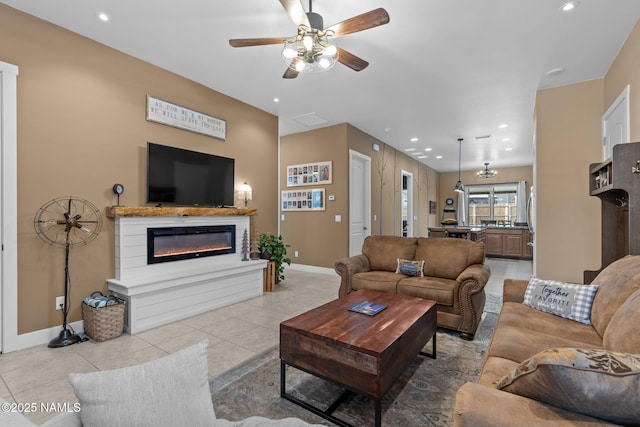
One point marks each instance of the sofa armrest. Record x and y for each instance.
(471, 283)
(347, 267)
(476, 272)
(481, 406)
(513, 290)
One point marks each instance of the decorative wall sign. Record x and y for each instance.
(165, 112)
(433, 206)
(309, 199)
(309, 174)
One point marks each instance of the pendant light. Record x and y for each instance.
(459, 187)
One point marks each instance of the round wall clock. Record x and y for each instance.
(118, 189)
(449, 201)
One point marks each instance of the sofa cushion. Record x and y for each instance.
(410, 268)
(567, 300)
(447, 258)
(433, 288)
(383, 281)
(522, 331)
(622, 332)
(594, 382)
(383, 251)
(616, 283)
(170, 391)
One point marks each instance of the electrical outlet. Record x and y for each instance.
(59, 303)
(295, 254)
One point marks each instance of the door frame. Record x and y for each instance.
(8, 211)
(410, 215)
(367, 192)
(620, 104)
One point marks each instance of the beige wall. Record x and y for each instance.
(567, 218)
(319, 240)
(82, 128)
(448, 182)
(569, 139)
(624, 71)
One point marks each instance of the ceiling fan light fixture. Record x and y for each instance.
(310, 51)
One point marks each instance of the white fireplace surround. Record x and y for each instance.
(157, 294)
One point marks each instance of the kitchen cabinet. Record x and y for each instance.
(508, 242)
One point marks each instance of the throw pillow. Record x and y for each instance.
(170, 391)
(410, 268)
(566, 300)
(593, 382)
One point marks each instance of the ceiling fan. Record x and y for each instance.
(312, 48)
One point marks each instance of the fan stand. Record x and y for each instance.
(67, 336)
(82, 223)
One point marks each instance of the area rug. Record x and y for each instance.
(424, 395)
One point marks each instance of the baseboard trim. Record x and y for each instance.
(313, 269)
(42, 336)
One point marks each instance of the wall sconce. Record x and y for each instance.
(245, 193)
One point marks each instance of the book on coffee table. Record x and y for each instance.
(367, 307)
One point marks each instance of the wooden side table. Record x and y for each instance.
(269, 277)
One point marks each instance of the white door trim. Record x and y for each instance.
(410, 215)
(367, 192)
(8, 211)
(618, 109)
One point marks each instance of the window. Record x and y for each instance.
(492, 204)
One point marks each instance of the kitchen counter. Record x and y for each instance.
(475, 234)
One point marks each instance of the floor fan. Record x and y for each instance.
(67, 222)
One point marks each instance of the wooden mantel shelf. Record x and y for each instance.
(148, 211)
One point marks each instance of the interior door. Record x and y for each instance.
(359, 200)
(615, 124)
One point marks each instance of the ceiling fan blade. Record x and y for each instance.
(351, 61)
(296, 11)
(362, 22)
(290, 73)
(257, 42)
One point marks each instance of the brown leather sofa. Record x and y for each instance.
(454, 275)
(561, 390)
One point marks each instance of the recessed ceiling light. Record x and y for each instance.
(423, 157)
(508, 149)
(409, 149)
(416, 153)
(103, 16)
(569, 6)
(276, 99)
(428, 149)
(503, 126)
(438, 157)
(506, 139)
(414, 139)
(555, 71)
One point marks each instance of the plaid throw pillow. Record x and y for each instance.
(568, 300)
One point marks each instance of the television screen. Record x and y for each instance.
(184, 177)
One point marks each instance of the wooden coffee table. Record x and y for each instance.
(364, 354)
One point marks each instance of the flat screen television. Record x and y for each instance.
(183, 177)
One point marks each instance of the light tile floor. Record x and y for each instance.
(236, 333)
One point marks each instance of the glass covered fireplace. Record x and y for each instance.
(179, 243)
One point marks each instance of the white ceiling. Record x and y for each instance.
(440, 70)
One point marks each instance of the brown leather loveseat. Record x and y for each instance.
(454, 275)
(545, 370)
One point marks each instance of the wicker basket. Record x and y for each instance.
(103, 323)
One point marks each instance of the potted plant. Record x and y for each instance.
(274, 249)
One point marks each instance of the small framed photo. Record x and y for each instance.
(307, 200)
(310, 174)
